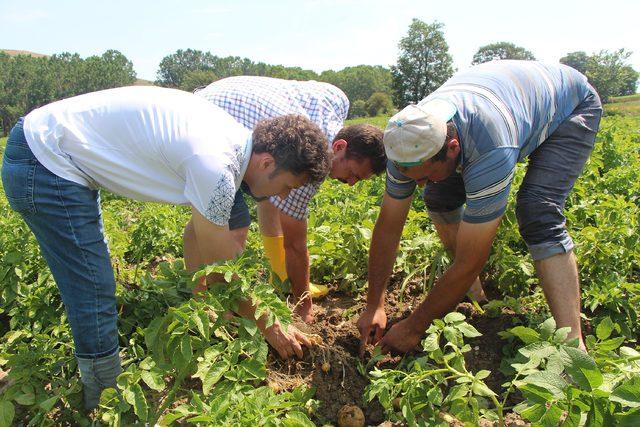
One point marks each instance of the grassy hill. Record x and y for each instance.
(12, 52)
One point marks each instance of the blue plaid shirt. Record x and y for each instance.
(250, 99)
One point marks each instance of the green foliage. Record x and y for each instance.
(561, 384)
(184, 68)
(424, 63)
(360, 82)
(607, 71)
(358, 109)
(501, 50)
(28, 82)
(196, 79)
(187, 363)
(438, 383)
(379, 103)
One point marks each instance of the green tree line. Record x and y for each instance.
(423, 64)
(28, 82)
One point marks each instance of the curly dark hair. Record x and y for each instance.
(364, 142)
(296, 144)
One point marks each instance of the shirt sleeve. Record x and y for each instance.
(296, 205)
(398, 185)
(487, 182)
(210, 188)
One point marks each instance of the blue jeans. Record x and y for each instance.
(66, 220)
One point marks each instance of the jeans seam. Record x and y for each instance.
(86, 262)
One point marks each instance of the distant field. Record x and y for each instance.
(380, 121)
(624, 105)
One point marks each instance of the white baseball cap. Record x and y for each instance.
(417, 132)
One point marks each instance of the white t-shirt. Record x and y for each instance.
(145, 143)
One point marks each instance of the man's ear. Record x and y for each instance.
(453, 148)
(266, 162)
(339, 145)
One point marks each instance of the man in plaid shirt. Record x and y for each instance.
(358, 154)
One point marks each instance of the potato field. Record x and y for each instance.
(187, 363)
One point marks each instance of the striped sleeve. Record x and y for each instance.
(487, 182)
(398, 185)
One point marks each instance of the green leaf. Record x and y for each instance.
(430, 343)
(201, 320)
(547, 328)
(534, 413)
(468, 330)
(550, 382)
(611, 344)
(7, 412)
(254, 367)
(481, 389)
(153, 379)
(454, 317)
(140, 406)
(627, 393)
(628, 419)
(526, 335)
(582, 368)
(186, 352)
(47, 404)
(297, 419)
(605, 328)
(213, 375)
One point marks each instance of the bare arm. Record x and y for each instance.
(206, 243)
(384, 245)
(382, 255)
(297, 258)
(473, 245)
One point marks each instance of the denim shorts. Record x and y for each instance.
(66, 220)
(552, 170)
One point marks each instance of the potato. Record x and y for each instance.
(350, 416)
(325, 367)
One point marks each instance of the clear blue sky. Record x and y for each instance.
(313, 34)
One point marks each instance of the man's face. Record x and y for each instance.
(429, 170)
(277, 183)
(348, 171)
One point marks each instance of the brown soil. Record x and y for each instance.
(335, 324)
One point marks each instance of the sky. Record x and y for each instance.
(313, 34)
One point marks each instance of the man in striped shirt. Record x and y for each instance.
(462, 143)
(357, 154)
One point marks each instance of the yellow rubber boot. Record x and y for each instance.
(274, 250)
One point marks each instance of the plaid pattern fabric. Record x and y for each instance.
(250, 99)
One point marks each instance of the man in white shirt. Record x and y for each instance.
(150, 144)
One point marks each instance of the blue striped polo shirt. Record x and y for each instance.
(505, 110)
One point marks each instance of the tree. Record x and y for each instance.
(578, 60)
(608, 73)
(379, 103)
(501, 50)
(173, 67)
(358, 108)
(197, 78)
(423, 65)
(28, 82)
(360, 82)
(629, 81)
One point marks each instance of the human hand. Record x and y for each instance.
(372, 321)
(286, 343)
(401, 338)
